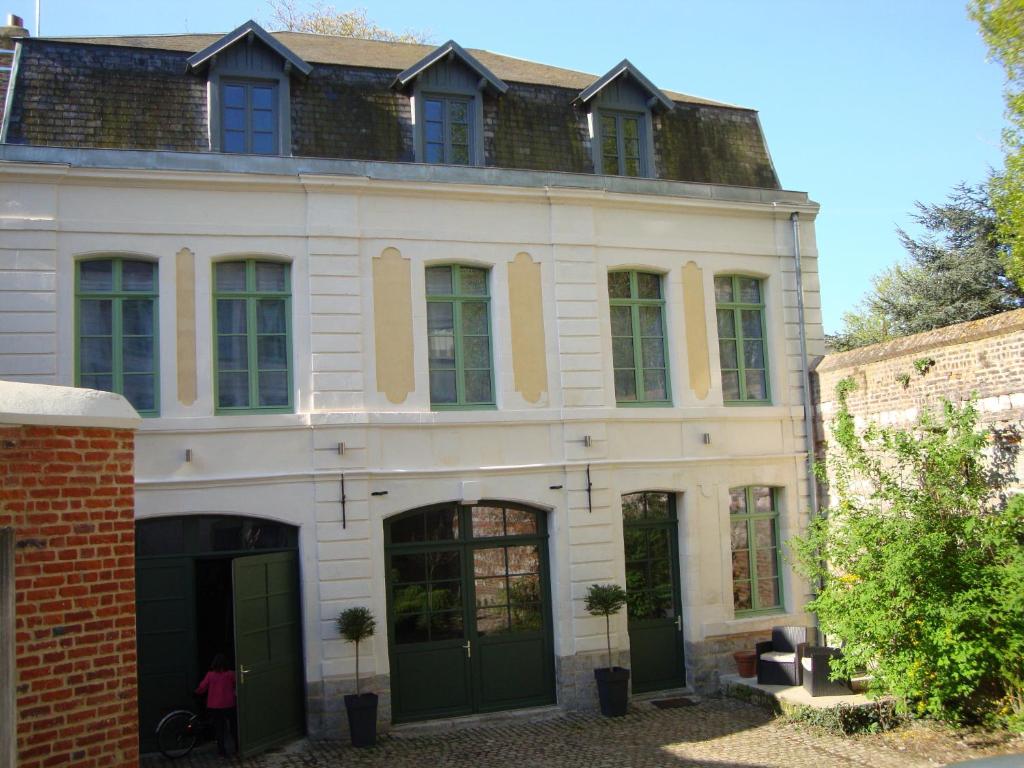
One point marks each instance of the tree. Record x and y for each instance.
(324, 19)
(955, 272)
(605, 600)
(355, 625)
(921, 565)
(1002, 27)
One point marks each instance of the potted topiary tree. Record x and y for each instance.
(612, 682)
(356, 625)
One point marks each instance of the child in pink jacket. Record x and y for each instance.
(219, 687)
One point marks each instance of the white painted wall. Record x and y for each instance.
(286, 467)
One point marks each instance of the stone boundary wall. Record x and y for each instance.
(68, 495)
(897, 380)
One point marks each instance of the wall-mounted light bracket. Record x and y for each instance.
(188, 455)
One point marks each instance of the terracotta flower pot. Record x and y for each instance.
(746, 663)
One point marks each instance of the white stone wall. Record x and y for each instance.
(287, 467)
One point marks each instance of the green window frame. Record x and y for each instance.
(622, 143)
(756, 563)
(447, 129)
(639, 341)
(742, 346)
(459, 337)
(252, 337)
(117, 329)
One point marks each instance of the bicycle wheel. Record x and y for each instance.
(177, 733)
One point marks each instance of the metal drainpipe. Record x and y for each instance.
(812, 485)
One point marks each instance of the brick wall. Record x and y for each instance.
(898, 379)
(68, 493)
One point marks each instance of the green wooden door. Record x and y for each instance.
(268, 651)
(469, 625)
(651, 538)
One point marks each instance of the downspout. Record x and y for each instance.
(812, 485)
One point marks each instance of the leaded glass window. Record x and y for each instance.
(252, 329)
(741, 339)
(754, 532)
(116, 335)
(459, 337)
(639, 351)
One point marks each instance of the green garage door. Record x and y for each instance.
(650, 533)
(469, 613)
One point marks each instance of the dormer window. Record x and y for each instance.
(249, 87)
(447, 88)
(620, 106)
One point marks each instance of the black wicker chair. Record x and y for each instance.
(815, 663)
(778, 659)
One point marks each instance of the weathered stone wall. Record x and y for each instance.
(68, 493)
(897, 380)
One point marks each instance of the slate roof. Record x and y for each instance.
(375, 54)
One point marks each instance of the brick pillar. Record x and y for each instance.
(68, 493)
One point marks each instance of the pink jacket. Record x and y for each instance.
(221, 687)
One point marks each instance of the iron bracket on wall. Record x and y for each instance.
(590, 495)
(343, 516)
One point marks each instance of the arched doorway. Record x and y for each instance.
(208, 584)
(469, 610)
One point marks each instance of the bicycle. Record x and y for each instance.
(179, 731)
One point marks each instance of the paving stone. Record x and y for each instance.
(716, 733)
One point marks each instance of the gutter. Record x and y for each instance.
(812, 485)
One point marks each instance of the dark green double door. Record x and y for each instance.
(651, 538)
(469, 614)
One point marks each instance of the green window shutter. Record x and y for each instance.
(116, 330)
(743, 350)
(754, 532)
(252, 337)
(639, 341)
(459, 338)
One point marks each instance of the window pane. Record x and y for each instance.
(232, 389)
(631, 167)
(138, 317)
(622, 352)
(271, 316)
(458, 111)
(445, 596)
(140, 391)
(741, 595)
(655, 385)
(473, 282)
(443, 565)
(234, 121)
(477, 353)
(750, 319)
(159, 537)
(653, 353)
(231, 316)
(738, 501)
(649, 285)
(753, 354)
(622, 321)
(432, 110)
(478, 386)
(407, 530)
(637, 577)
(95, 317)
(730, 385)
(434, 153)
(460, 134)
(740, 564)
(262, 97)
(441, 350)
(756, 386)
(96, 355)
(726, 324)
(489, 562)
(263, 121)
(96, 275)
(630, 128)
(442, 387)
(271, 352)
(442, 525)
(520, 523)
(434, 133)
(491, 591)
(273, 388)
(727, 352)
(104, 382)
(231, 276)
(488, 521)
(633, 506)
(406, 568)
(137, 355)
(618, 285)
(138, 276)
(767, 563)
(764, 533)
(271, 277)
(234, 95)
(524, 589)
(439, 281)
(492, 621)
(474, 317)
(440, 317)
(526, 618)
(234, 141)
(524, 559)
(723, 289)
(750, 290)
(263, 144)
(650, 321)
(657, 506)
(767, 593)
(625, 385)
(411, 629)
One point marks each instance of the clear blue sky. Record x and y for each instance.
(867, 105)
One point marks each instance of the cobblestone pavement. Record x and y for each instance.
(716, 733)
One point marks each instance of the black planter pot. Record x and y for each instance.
(613, 690)
(362, 719)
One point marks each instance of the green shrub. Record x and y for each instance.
(920, 565)
(846, 719)
(605, 600)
